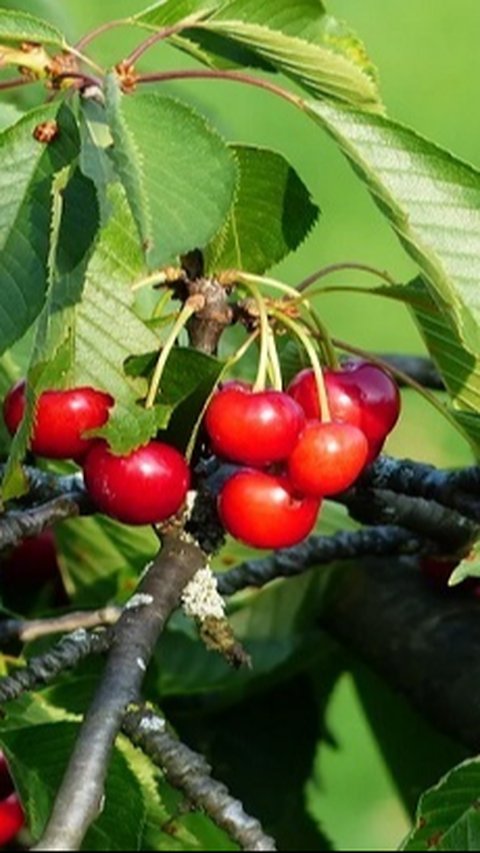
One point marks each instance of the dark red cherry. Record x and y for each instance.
(12, 818)
(260, 510)
(146, 486)
(253, 428)
(327, 458)
(61, 419)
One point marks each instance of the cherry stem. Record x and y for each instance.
(98, 31)
(159, 277)
(303, 336)
(190, 307)
(403, 377)
(296, 297)
(263, 362)
(152, 40)
(15, 82)
(276, 370)
(347, 265)
(228, 365)
(217, 74)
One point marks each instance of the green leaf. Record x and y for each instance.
(272, 214)
(17, 26)
(431, 199)
(448, 815)
(169, 12)
(101, 560)
(28, 170)
(38, 769)
(9, 114)
(178, 173)
(303, 43)
(468, 568)
(459, 368)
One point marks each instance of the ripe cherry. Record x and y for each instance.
(360, 394)
(261, 510)
(61, 419)
(144, 487)
(11, 818)
(327, 458)
(253, 428)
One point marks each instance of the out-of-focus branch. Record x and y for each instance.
(79, 798)
(320, 550)
(190, 772)
(66, 654)
(27, 630)
(17, 525)
(419, 368)
(423, 642)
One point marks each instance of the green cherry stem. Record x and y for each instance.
(264, 358)
(237, 356)
(303, 336)
(191, 307)
(298, 298)
(347, 265)
(276, 370)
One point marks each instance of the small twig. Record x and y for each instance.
(217, 74)
(98, 31)
(320, 550)
(83, 79)
(79, 799)
(43, 485)
(27, 630)
(340, 267)
(191, 773)
(66, 654)
(152, 40)
(17, 525)
(15, 82)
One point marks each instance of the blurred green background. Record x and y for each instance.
(429, 65)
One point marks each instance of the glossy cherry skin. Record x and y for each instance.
(146, 486)
(61, 419)
(253, 428)
(360, 394)
(12, 818)
(260, 510)
(327, 458)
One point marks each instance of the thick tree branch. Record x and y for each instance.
(190, 772)
(424, 642)
(27, 630)
(317, 551)
(79, 800)
(449, 488)
(66, 654)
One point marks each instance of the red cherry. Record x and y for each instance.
(11, 818)
(360, 394)
(61, 419)
(327, 459)
(30, 567)
(144, 487)
(260, 510)
(253, 428)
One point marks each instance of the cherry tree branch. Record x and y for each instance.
(27, 630)
(190, 772)
(419, 368)
(79, 799)
(17, 525)
(66, 654)
(317, 551)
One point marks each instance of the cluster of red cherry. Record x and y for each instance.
(11, 813)
(146, 486)
(294, 456)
